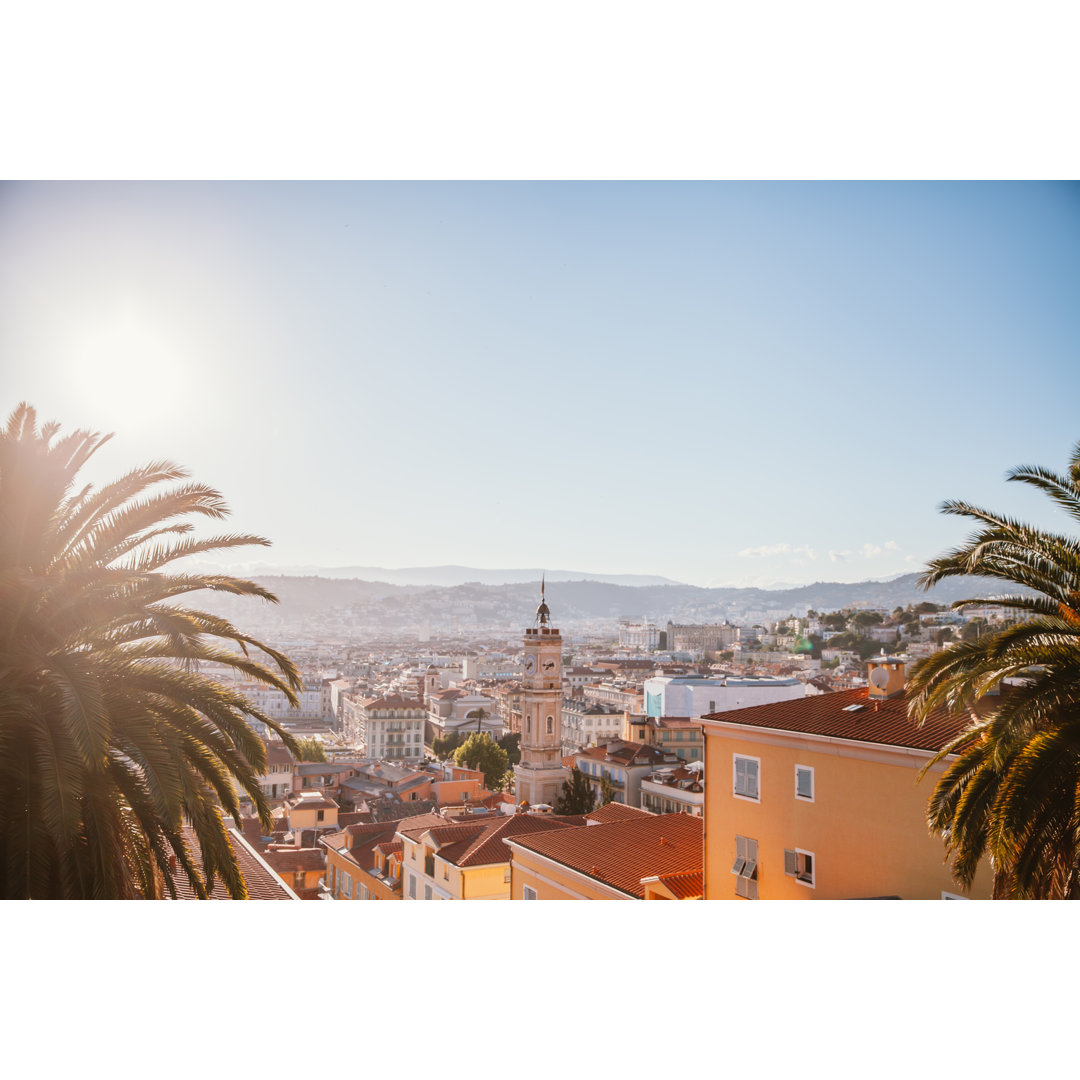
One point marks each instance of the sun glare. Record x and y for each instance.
(130, 367)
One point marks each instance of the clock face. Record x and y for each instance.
(550, 665)
(530, 664)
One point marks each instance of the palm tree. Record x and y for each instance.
(1012, 790)
(111, 739)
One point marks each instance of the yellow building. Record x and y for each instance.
(363, 861)
(310, 814)
(624, 855)
(819, 798)
(302, 869)
(679, 735)
(467, 860)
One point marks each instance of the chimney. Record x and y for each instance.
(885, 676)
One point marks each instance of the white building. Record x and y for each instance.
(392, 728)
(641, 635)
(689, 696)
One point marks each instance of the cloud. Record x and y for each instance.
(838, 556)
(891, 545)
(911, 559)
(870, 550)
(777, 549)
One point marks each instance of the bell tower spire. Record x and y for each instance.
(540, 775)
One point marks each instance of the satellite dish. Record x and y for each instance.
(879, 677)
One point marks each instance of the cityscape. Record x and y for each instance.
(736, 649)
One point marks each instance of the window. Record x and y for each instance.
(745, 868)
(527, 893)
(427, 892)
(746, 777)
(800, 865)
(412, 886)
(804, 783)
(551, 725)
(320, 815)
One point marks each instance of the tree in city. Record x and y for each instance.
(1011, 792)
(865, 619)
(479, 752)
(479, 715)
(511, 743)
(509, 782)
(607, 790)
(578, 796)
(443, 746)
(311, 749)
(111, 738)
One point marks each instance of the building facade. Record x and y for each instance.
(821, 799)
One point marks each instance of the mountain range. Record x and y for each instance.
(377, 607)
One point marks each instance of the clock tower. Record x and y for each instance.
(540, 775)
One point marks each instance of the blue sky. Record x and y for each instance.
(722, 383)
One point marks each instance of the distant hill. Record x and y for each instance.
(375, 607)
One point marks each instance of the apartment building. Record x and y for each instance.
(391, 727)
(679, 735)
(467, 859)
(821, 798)
(624, 765)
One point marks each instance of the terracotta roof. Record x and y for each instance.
(627, 754)
(262, 883)
(392, 701)
(286, 862)
(617, 812)
(358, 843)
(277, 753)
(480, 843)
(320, 803)
(621, 853)
(882, 721)
(688, 885)
(489, 847)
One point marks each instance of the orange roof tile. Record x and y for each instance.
(883, 721)
(619, 854)
(688, 885)
(286, 862)
(262, 883)
(617, 812)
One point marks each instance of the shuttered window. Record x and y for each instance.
(800, 865)
(804, 782)
(745, 867)
(746, 776)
